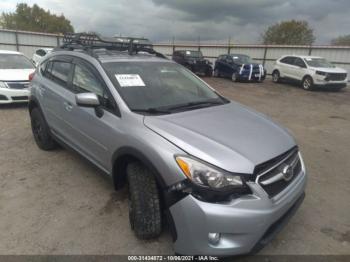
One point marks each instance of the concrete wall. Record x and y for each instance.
(28, 42)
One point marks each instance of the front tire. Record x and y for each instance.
(41, 131)
(144, 202)
(234, 77)
(307, 83)
(216, 72)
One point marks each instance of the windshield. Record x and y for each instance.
(14, 61)
(195, 54)
(242, 59)
(318, 62)
(159, 85)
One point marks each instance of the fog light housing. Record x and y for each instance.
(214, 238)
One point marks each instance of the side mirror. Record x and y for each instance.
(87, 100)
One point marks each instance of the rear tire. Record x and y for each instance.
(41, 131)
(276, 78)
(307, 83)
(144, 202)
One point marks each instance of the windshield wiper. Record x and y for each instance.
(151, 110)
(193, 105)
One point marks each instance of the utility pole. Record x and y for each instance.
(199, 43)
(229, 45)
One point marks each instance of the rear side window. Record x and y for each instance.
(288, 60)
(299, 62)
(40, 52)
(58, 71)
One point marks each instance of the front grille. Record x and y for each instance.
(273, 180)
(18, 85)
(337, 76)
(19, 98)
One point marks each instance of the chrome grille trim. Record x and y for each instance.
(274, 166)
(279, 176)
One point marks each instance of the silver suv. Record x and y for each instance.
(223, 177)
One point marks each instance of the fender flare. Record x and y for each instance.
(125, 153)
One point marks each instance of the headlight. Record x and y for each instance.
(3, 85)
(321, 73)
(206, 176)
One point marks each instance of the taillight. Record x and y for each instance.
(31, 76)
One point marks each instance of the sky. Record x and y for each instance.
(186, 20)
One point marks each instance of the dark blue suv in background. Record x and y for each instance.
(239, 67)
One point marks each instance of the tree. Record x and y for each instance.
(289, 33)
(341, 40)
(35, 19)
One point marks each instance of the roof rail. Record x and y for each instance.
(90, 41)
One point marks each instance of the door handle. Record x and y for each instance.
(68, 106)
(41, 90)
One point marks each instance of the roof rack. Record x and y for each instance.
(90, 41)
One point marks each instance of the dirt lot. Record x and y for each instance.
(56, 203)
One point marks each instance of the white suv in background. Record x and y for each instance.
(311, 71)
(40, 54)
(15, 69)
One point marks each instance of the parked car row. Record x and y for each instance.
(238, 67)
(309, 71)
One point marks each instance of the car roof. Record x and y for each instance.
(45, 48)
(10, 52)
(302, 56)
(106, 56)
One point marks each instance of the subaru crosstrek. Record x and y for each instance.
(224, 177)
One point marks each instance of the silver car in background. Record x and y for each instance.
(226, 178)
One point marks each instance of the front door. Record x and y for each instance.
(93, 134)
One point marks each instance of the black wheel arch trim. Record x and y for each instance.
(118, 179)
(305, 76)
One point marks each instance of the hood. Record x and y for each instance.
(229, 136)
(15, 74)
(329, 69)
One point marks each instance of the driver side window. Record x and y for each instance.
(85, 81)
(299, 62)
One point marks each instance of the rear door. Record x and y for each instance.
(286, 66)
(53, 91)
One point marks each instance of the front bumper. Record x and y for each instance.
(8, 95)
(201, 68)
(321, 82)
(253, 77)
(245, 224)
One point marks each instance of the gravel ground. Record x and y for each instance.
(57, 203)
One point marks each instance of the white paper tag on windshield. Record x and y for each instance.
(188, 52)
(127, 80)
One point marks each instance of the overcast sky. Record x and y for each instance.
(160, 20)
